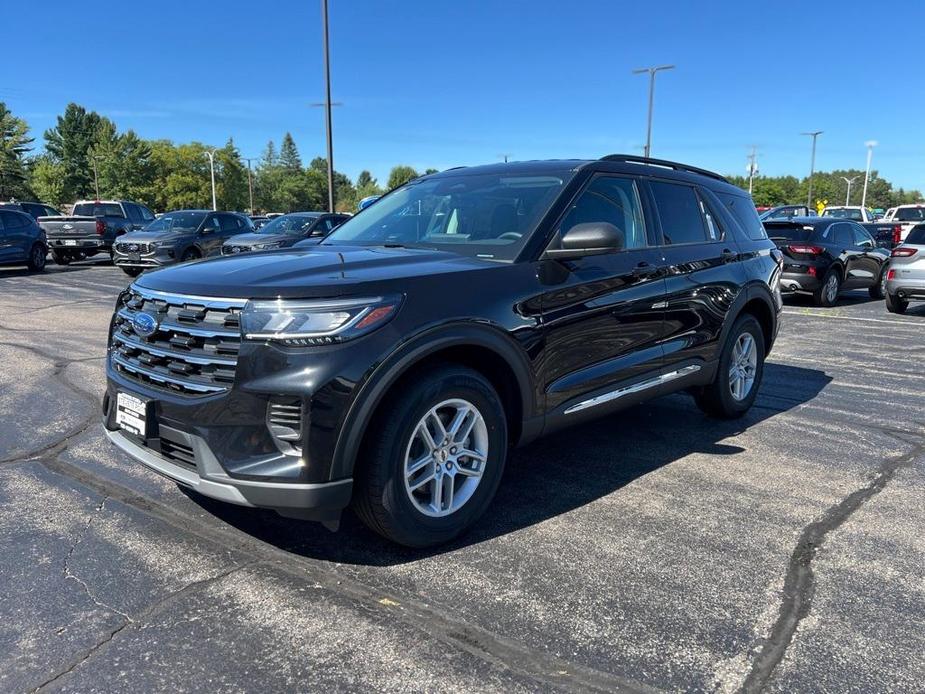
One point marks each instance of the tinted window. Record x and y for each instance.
(98, 209)
(745, 215)
(613, 200)
(680, 213)
(51, 212)
(33, 209)
(786, 231)
(177, 221)
(860, 235)
(14, 220)
(146, 214)
(132, 212)
(229, 222)
(917, 236)
(910, 214)
(843, 235)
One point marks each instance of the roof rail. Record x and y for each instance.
(635, 159)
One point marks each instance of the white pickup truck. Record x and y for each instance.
(906, 217)
(855, 213)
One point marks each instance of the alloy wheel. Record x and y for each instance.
(744, 366)
(831, 289)
(445, 457)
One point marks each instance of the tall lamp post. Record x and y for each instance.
(651, 72)
(250, 185)
(211, 154)
(849, 181)
(812, 167)
(870, 144)
(327, 105)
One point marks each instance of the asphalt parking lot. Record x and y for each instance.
(653, 550)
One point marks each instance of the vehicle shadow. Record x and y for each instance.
(556, 475)
(53, 268)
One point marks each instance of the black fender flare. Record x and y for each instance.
(404, 358)
(753, 290)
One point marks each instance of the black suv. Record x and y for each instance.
(393, 365)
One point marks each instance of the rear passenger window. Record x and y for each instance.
(744, 213)
(843, 235)
(680, 212)
(613, 200)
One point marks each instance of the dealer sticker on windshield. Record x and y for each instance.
(131, 414)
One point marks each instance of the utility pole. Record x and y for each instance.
(752, 169)
(96, 177)
(211, 154)
(504, 156)
(651, 72)
(849, 181)
(812, 167)
(327, 103)
(250, 185)
(870, 144)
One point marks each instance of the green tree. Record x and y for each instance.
(399, 175)
(47, 180)
(365, 180)
(123, 163)
(427, 172)
(289, 153)
(14, 145)
(232, 178)
(69, 144)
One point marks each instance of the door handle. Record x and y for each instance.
(644, 270)
(729, 256)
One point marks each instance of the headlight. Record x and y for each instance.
(162, 244)
(265, 246)
(316, 322)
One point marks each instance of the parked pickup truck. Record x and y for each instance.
(92, 228)
(902, 219)
(889, 231)
(855, 213)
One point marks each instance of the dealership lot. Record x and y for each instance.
(654, 549)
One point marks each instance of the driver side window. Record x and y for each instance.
(610, 199)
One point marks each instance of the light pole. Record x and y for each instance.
(327, 105)
(211, 154)
(250, 185)
(96, 177)
(651, 71)
(870, 144)
(752, 169)
(812, 167)
(849, 181)
(504, 156)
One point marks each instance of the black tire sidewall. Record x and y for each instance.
(894, 304)
(39, 257)
(61, 258)
(724, 389)
(410, 526)
(820, 295)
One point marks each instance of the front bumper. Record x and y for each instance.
(156, 258)
(315, 501)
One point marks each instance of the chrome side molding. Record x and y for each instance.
(635, 388)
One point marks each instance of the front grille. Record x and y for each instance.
(193, 350)
(232, 249)
(284, 420)
(132, 247)
(178, 453)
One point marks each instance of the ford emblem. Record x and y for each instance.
(144, 324)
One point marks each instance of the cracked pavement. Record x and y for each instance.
(653, 550)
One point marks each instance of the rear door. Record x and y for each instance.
(704, 274)
(851, 255)
(870, 260)
(602, 314)
(17, 237)
(5, 243)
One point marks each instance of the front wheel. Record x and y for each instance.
(896, 305)
(827, 294)
(37, 258)
(433, 459)
(738, 376)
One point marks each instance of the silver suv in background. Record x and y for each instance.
(905, 276)
(177, 236)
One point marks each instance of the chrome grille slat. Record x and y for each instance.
(194, 349)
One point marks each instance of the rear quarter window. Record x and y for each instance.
(743, 211)
(917, 236)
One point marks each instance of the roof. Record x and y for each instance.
(809, 221)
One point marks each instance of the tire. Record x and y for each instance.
(384, 499)
(827, 293)
(132, 271)
(878, 291)
(718, 399)
(37, 255)
(190, 254)
(895, 305)
(61, 258)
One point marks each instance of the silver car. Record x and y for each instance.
(905, 276)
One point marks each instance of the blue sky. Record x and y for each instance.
(440, 83)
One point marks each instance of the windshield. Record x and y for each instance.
(289, 224)
(98, 209)
(480, 215)
(844, 213)
(910, 214)
(177, 221)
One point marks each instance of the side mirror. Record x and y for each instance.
(591, 238)
(209, 230)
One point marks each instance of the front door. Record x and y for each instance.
(602, 314)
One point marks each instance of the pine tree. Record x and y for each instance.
(289, 154)
(14, 144)
(69, 143)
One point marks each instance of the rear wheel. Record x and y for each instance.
(896, 305)
(827, 293)
(738, 376)
(434, 459)
(37, 257)
(878, 291)
(61, 258)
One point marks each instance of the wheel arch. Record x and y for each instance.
(484, 349)
(757, 301)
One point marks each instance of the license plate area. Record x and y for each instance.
(70, 242)
(133, 414)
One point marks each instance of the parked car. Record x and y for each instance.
(259, 220)
(35, 209)
(92, 228)
(467, 311)
(367, 201)
(905, 277)
(825, 255)
(283, 232)
(22, 241)
(786, 212)
(177, 236)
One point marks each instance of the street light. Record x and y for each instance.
(651, 71)
(327, 105)
(849, 181)
(812, 167)
(250, 185)
(211, 154)
(870, 144)
(504, 155)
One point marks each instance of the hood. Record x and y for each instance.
(151, 236)
(251, 239)
(323, 271)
